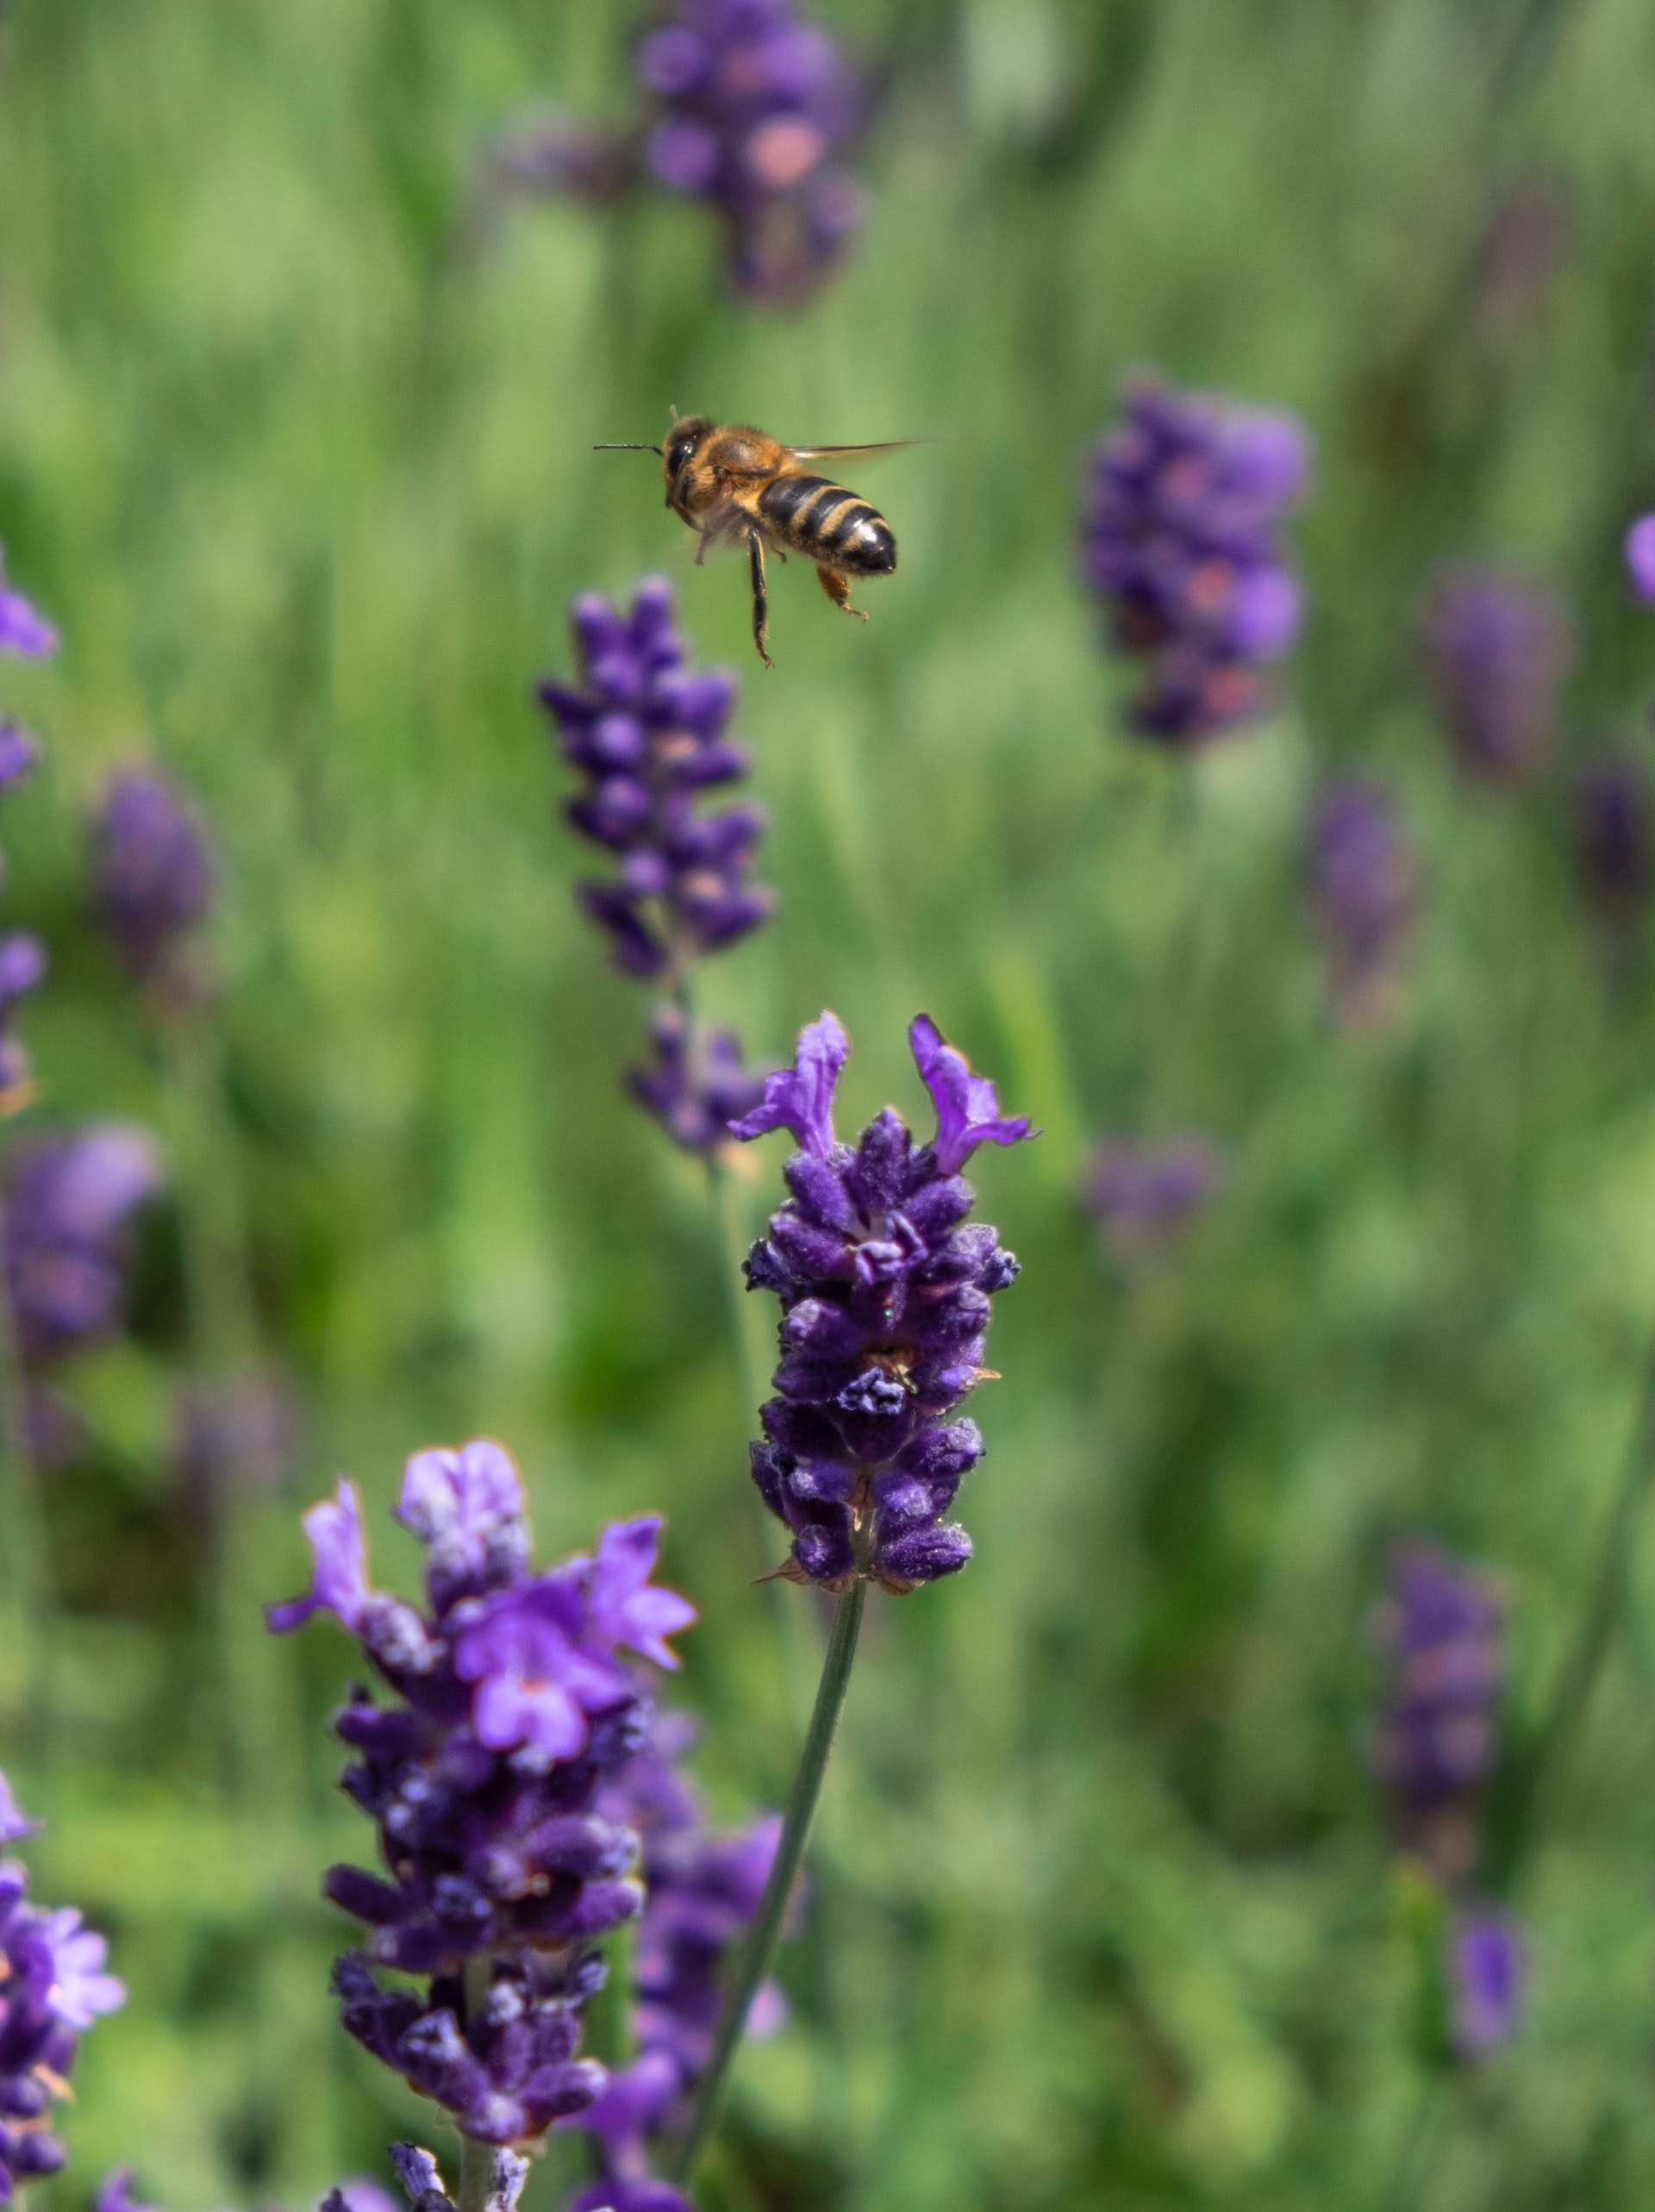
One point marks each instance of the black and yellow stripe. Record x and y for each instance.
(829, 525)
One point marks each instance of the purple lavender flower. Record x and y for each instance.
(1441, 1629)
(1362, 890)
(702, 1891)
(885, 1316)
(20, 753)
(23, 628)
(114, 2194)
(1182, 541)
(1640, 557)
(1486, 1973)
(514, 1706)
(1496, 650)
(1612, 833)
(63, 1233)
(22, 970)
(757, 107)
(648, 734)
(1145, 1193)
(153, 874)
(550, 150)
(51, 1971)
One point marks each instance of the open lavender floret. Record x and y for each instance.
(52, 1987)
(513, 1704)
(884, 1316)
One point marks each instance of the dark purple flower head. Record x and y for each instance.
(757, 108)
(1614, 837)
(513, 1704)
(1496, 650)
(1182, 541)
(23, 628)
(153, 874)
(1362, 886)
(1441, 1629)
(53, 1986)
(885, 1304)
(702, 1889)
(1487, 1969)
(63, 1233)
(698, 1085)
(648, 736)
(1144, 1192)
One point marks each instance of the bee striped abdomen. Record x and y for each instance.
(829, 525)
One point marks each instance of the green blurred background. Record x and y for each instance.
(294, 442)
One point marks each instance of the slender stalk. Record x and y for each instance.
(767, 1921)
(747, 1321)
(22, 1514)
(475, 2159)
(1577, 1677)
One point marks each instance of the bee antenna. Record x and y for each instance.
(673, 410)
(626, 449)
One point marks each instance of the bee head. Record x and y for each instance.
(685, 442)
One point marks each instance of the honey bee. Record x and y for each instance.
(736, 485)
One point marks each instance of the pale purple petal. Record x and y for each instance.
(80, 1989)
(116, 2194)
(20, 753)
(23, 628)
(1640, 556)
(14, 1822)
(801, 1098)
(338, 1552)
(1486, 1973)
(457, 1498)
(968, 1113)
(623, 1607)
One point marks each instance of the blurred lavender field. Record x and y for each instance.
(300, 369)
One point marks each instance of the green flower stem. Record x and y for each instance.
(767, 1921)
(26, 1545)
(476, 2160)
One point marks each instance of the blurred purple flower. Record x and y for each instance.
(1486, 1973)
(115, 2192)
(1640, 556)
(648, 735)
(20, 753)
(239, 1435)
(552, 152)
(1441, 1629)
(1182, 541)
(1363, 890)
(51, 1971)
(1615, 838)
(1496, 650)
(757, 108)
(703, 1890)
(153, 875)
(14, 1822)
(23, 628)
(1529, 233)
(22, 970)
(885, 1308)
(1146, 1192)
(513, 1707)
(62, 1232)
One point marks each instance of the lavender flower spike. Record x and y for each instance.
(63, 1233)
(1181, 541)
(757, 107)
(114, 2194)
(52, 1970)
(885, 1313)
(153, 874)
(510, 1705)
(1496, 650)
(23, 628)
(1362, 891)
(1640, 557)
(1486, 1973)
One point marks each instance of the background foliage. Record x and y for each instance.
(294, 432)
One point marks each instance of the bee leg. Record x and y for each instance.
(838, 589)
(702, 543)
(760, 596)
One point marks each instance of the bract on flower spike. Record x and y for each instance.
(648, 733)
(885, 1305)
(513, 1702)
(53, 1986)
(1181, 541)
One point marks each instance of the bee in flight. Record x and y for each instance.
(735, 486)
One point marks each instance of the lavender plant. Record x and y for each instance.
(1497, 649)
(511, 1706)
(751, 108)
(53, 1987)
(1181, 541)
(1438, 1747)
(648, 733)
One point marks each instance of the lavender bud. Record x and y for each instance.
(1486, 1973)
(153, 874)
(1362, 889)
(1496, 650)
(1182, 542)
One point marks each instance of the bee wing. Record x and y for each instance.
(890, 446)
